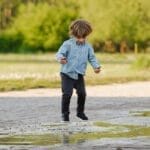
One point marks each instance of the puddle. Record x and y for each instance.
(24, 127)
(75, 132)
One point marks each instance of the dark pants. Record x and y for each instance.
(68, 84)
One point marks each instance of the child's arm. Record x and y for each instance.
(62, 54)
(93, 61)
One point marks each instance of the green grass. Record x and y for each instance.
(46, 139)
(117, 131)
(27, 83)
(20, 71)
(142, 62)
(141, 113)
(133, 132)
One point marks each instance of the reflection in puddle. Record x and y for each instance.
(64, 134)
(65, 139)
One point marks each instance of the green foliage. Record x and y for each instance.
(118, 21)
(142, 62)
(42, 25)
(10, 41)
(130, 23)
(37, 30)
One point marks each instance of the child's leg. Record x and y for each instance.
(81, 93)
(67, 90)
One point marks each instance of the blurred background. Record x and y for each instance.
(31, 31)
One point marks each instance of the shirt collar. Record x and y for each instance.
(78, 43)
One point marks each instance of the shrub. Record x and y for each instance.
(40, 27)
(142, 62)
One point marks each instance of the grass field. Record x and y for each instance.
(19, 72)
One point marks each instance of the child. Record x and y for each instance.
(74, 55)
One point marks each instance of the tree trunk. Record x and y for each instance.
(123, 47)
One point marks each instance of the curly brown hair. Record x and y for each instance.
(80, 28)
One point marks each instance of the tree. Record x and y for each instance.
(42, 31)
(118, 21)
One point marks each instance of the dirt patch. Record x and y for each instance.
(132, 89)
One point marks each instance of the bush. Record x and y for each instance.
(120, 21)
(10, 43)
(34, 31)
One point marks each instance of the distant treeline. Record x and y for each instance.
(42, 25)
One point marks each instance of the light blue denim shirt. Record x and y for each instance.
(77, 57)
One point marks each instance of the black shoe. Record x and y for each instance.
(65, 117)
(82, 116)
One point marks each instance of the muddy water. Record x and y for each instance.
(34, 123)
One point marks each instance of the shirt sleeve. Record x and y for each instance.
(92, 59)
(62, 51)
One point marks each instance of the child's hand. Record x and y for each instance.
(97, 70)
(63, 60)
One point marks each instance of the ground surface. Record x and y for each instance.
(131, 89)
(39, 113)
